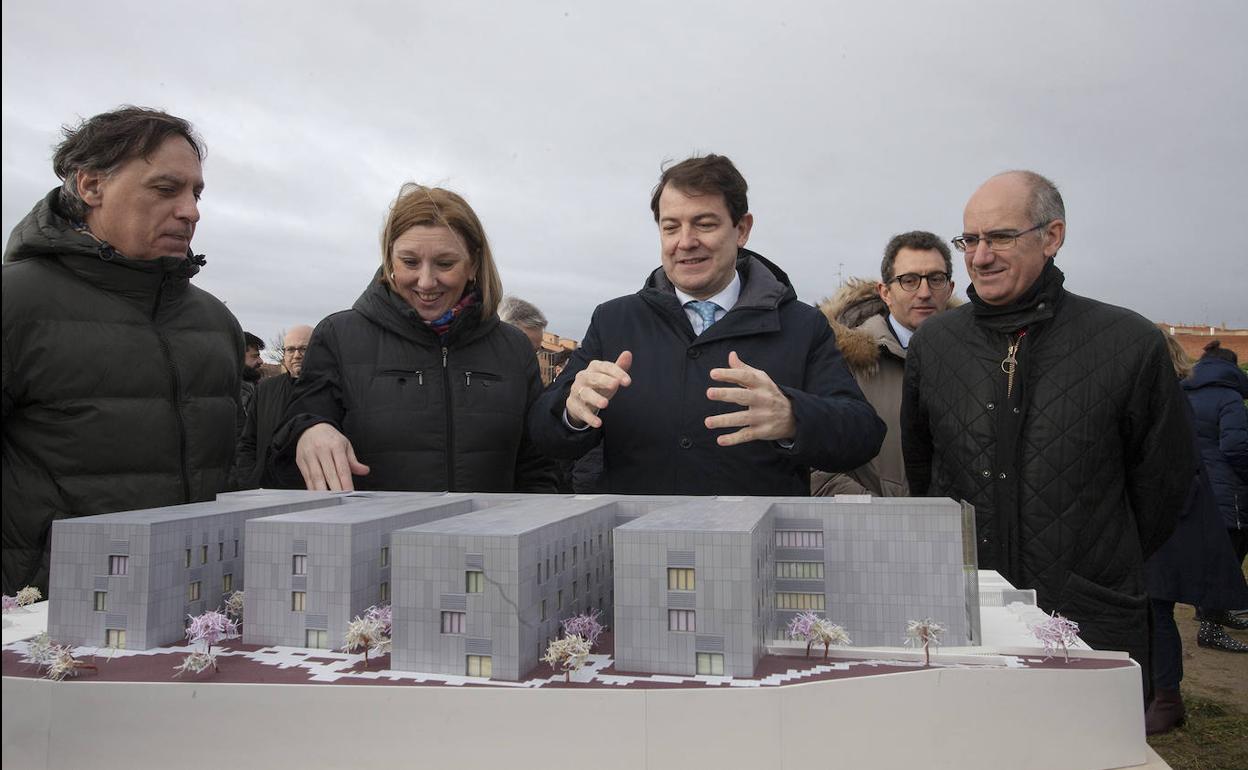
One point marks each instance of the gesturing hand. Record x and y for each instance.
(768, 413)
(326, 459)
(594, 387)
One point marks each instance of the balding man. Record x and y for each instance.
(272, 398)
(1058, 417)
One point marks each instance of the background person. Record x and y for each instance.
(271, 399)
(873, 322)
(526, 317)
(121, 379)
(418, 386)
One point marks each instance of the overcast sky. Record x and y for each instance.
(851, 122)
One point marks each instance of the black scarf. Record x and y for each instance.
(1036, 304)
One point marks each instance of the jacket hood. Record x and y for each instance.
(383, 307)
(1214, 372)
(852, 311)
(45, 233)
(763, 284)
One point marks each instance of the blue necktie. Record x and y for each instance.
(705, 310)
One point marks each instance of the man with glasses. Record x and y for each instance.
(874, 321)
(272, 398)
(1058, 417)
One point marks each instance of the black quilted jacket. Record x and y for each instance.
(1076, 473)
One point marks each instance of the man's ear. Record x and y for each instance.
(1054, 237)
(88, 184)
(743, 229)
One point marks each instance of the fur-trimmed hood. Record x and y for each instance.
(850, 309)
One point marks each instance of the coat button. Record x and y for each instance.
(1017, 410)
(1002, 476)
(985, 473)
(694, 352)
(991, 406)
(685, 443)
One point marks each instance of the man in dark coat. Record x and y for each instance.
(1058, 417)
(121, 379)
(714, 378)
(269, 406)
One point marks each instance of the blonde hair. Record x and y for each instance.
(421, 206)
(1179, 358)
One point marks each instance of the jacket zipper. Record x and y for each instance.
(1009, 364)
(174, 388)
(450, 435)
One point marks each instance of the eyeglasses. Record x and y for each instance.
(995, 241)
(911, 281)
(292, 350)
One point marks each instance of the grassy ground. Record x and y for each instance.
(1215, 689)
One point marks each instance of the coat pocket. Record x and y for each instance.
(1107, 618)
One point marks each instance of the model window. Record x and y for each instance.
(384, 592)
(385, 556)
(543, 609)
(101, 601)
(480, 665)
(298, 600)
(221, 551)
(118, 565)
(796, 601)
(548, 569)
(599, 541)
(186, 561)
(299, 565)
(115, 637)
(539, 573)
(573, 589)
(235, 549)
(796, 538)
(573, 556)
(453, 622)
(192, 592)
(559, 599)
(203, 554)
(679, 579)
(800, 570)
(474, 581)
(317, 639)
(227, 583)
(681, 620)
(710, 664)
(588, 575)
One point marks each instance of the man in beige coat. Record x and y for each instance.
(873, 323)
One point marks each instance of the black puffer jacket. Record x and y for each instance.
(1217, 390)
(121, 385)
(654, 436)
(422, 414)
(1079, 472)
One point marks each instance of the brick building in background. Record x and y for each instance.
(1194, 338)
(553, 347)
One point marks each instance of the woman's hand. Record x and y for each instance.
(326, 459)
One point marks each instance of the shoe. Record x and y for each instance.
(1215, 637)
(1165, 713)
(1233, 620)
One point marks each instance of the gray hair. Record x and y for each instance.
(1045, 203)
(104, 142)
(518, 312)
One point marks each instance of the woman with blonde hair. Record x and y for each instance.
(418, 386)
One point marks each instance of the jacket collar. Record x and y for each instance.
(386, 309)
(764, 288)
(1038, 303)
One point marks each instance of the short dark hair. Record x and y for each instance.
(252, 341)
(104, 142)
(919, 240)
(1214, 349)
(705, 175)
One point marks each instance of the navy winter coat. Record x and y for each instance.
(1217, 390)
(654, 437)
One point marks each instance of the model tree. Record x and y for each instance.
(234, 607)
(567, 654)
(57, 659)
(25, 597)
(210, 628)
(367, 632)
(1054, 632)
(925, 632)
(586, 626)
(813, 629)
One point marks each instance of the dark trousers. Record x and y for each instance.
(1167, 650)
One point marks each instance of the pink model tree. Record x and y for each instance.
(814, 629)
(925, 632)
(383, 615)
(586, 626)
(10, 603)
(25, 597)
(1056, 631)
(210, 628)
